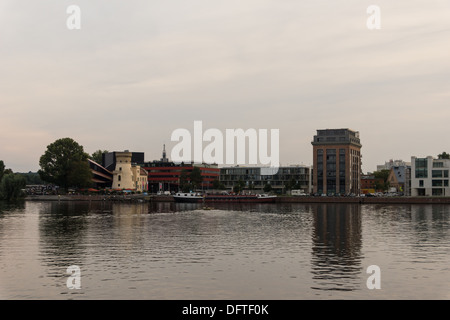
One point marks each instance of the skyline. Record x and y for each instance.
(137, 71)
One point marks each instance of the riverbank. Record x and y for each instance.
(281, 199)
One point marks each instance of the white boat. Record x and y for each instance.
(198, 197)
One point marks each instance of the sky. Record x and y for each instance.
(137, 70)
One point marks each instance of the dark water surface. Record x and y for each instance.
(254, 251)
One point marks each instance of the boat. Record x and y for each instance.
(188, 197)
(224, 197)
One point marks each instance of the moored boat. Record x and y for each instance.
(196, 197)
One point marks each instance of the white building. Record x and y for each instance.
(430, 177)
(128, 175)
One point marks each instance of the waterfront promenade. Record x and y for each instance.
(281, 199)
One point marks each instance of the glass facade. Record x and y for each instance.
(421, 168)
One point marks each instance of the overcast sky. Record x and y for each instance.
(138, 70)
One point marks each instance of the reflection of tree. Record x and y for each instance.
(336, 261)
(62, 227)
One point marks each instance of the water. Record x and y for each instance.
(254, 251)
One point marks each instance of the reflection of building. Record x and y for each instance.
(257, 177)
(430, 177)
(337, 244)
(128, 175)
(101, 177)
(337, 161)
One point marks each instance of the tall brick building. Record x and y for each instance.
(337, 162)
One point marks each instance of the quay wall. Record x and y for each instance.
(281, 199)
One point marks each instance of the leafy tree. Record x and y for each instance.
(80, 174)
(65, 164)
(196, 177)
(97, 156)
(2, 169)
(11, 186)
(239, 186)
(32, 178)
(383, 175)
(218, 185)
(444, 155)
(185, 185)
(267, 187)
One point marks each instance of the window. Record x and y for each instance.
(438, 164)
(436, 183)
(120, 178)
(437, 174)
(420, 183)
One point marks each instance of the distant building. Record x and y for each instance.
(399, 179)
(337, 161)
(430, 177)
(101, 177)
(255, 178)
(164, 175)
(109, 159)
(388, 165)
(369, 184)
(128, 175)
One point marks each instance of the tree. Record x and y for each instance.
(383, 175)
(217, 185)
(97, 156)
(267, 187)
(65, 164)
(196, 178)
(11, 186)
(2, 169)
(239, 186)
(444, 155)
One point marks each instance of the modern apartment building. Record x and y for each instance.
(337, 162)
(255, 178)
(430, 177)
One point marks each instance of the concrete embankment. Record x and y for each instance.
(282, 199)
(366, 200)
(128, 198)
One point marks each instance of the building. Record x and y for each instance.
(337, 162)
(101, 177)
(369, 184)
(430, 177)
(164, 175)
(128, 175)
(398, 179)
(109, 159)
(255, 178)
(388, 165)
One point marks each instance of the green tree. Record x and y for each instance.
(383, 175)
(2, 169)
(444, 155)
(239, 186)
(32, 178)
(97, 156)
(61, 163)
(196, 178)
(267, 187)
(217, 185)
(11, 186)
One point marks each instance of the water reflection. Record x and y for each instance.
(336, 247)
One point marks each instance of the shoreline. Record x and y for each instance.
(281, 199)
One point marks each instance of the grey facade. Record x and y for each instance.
(255, 178)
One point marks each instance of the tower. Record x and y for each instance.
(337, 162)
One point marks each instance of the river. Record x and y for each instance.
(233, 251)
